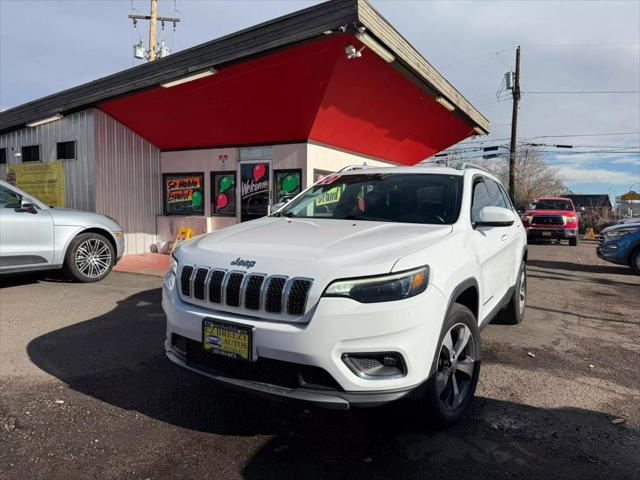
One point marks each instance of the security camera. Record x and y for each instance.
(351, 52)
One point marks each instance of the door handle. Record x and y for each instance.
(504, 237)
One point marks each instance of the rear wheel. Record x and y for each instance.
(634, 261)
(513, 313)
(456, 369)
(90, 257)
(573, 241)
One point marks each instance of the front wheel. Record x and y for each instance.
(456, 369)
(90, 257)
(634, 261)
(513, 312)
(573, 241)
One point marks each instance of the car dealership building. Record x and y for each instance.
(215, 134)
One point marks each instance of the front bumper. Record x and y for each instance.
(616, 251)
(551, 233)
(119, 246)
(338, 326)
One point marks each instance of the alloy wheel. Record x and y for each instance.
(522, 294)
(456, 364)
(93, 258)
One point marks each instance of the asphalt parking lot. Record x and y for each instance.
(86, 392)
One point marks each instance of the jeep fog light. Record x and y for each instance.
(375, 365)
(384, 288)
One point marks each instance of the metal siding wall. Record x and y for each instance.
(79, 174)
(128, 181)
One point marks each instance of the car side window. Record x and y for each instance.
(495, 195)
(480, 199)
(9, 198)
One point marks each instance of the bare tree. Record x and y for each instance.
(534, 177)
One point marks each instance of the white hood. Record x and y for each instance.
(315, 248)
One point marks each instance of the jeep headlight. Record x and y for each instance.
(383, 288)
(173, 267)
(170, 276)
(622, 232)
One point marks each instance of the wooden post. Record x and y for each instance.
(153, 23)
(514, 128)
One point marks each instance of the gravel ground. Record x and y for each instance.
(86, 392)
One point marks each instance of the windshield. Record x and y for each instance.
(551, 205)
(383, 197)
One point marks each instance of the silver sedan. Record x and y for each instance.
(35, 237)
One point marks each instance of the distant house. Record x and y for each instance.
(599, 203)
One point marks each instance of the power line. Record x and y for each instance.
(539, 45)
(579, 92)
(586, 135)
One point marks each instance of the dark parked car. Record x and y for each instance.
(621, 244)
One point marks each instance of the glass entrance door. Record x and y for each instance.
(255, 182)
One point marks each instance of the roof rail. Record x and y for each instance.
(465, 165)
(348, 168)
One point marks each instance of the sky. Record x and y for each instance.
(566, 46)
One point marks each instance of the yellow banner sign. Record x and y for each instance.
(45, 181)
(329, 197)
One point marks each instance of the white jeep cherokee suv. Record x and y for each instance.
(369, 286)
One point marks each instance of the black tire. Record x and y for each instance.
(573, 241)
(634, 261)
(104, 258)
(513, 312)
(438, 405)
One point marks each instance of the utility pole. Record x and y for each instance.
(153, 23)
(514, 128)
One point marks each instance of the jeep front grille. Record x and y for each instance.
(232, 294)
(215, 286)
(252, 291)
(185, 280)
(297, 298)
(275, 289)
(198, 283)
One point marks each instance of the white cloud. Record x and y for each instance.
(599, 175)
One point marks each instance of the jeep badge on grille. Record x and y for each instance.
(239, 262)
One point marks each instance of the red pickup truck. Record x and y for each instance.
(552, 218)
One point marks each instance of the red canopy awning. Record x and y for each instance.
(308, 92)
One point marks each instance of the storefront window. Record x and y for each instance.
(254, 190)
(223, 193)
(183, 193)
(320, 174)
(288, 183)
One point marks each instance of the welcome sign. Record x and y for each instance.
(258, 182)
(254, 190)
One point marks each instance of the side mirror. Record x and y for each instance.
(26, 205)
(495, 217)
(279, 205)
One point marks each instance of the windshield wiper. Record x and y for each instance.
(280, 214)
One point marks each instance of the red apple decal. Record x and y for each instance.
(222, 201)
(258, 171)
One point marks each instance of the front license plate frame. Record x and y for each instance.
(218, 339)
(546, 234)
